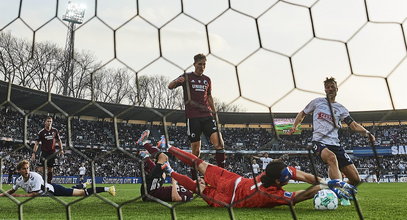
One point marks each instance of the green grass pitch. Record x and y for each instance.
(377, 201)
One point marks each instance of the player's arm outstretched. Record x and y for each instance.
(176, 82)
(340, 188)
(298, 119)
(12, 193)
(255, 157)
(360, 129)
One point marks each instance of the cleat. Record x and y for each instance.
(345, 202)
(161, 144)
(86, 185)
(112, 191)
(144, 154)
(167, 168)
(143, 137)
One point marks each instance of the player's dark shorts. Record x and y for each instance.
(342, 157)
(46, 155)
(61, 191)
(196, 126)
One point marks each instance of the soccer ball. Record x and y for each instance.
(325, 199)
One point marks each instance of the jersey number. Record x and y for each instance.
(155, 184)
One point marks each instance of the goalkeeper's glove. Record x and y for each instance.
(342, 188)
(341, 184)
(341, 193)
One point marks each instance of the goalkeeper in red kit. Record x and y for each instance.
(221, 187)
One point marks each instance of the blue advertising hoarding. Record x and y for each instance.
(381, 151)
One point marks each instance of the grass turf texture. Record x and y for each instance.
(377, 201)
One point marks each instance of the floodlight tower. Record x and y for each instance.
(74, 15)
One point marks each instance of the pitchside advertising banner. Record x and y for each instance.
(381, 151)
(283, 125)
(98, 180)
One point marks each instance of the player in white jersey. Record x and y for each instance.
(325, 132)
(256, 167)
(33, 184)
(82, 172)
(265, 159)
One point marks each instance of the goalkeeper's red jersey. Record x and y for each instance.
(226, 187)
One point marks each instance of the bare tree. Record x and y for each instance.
(16, 60)
(152, 91)
(41, 67)
(45, 61)
(6, 62)
(224, 107)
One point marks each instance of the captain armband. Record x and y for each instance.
(348, 120)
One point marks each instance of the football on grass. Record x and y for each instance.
(325, 200)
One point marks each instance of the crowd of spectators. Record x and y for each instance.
(101, 133)
(86, 134)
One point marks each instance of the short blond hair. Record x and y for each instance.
(22, 163)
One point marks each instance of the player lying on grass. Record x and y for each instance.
(155, 175)
(221, 187)
(33, 184)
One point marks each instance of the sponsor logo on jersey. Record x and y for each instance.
(288, 194)
(324, 116)
(198, 87)
(49, 137)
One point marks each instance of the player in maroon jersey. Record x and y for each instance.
(199, 109)
(155, 175)
(222, 187)
(48, 136)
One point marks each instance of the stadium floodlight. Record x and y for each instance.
(74, 13)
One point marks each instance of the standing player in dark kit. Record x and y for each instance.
(155, 175)
(199, 108)
(48, 136)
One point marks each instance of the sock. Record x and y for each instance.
(220, 158)
(184, 181)
(90, 191)
(151, 149)
(49, 177)
(185, 157)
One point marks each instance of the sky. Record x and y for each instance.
(371, 73)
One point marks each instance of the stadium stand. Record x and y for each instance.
(95, 137)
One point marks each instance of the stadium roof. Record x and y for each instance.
(29, 99)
